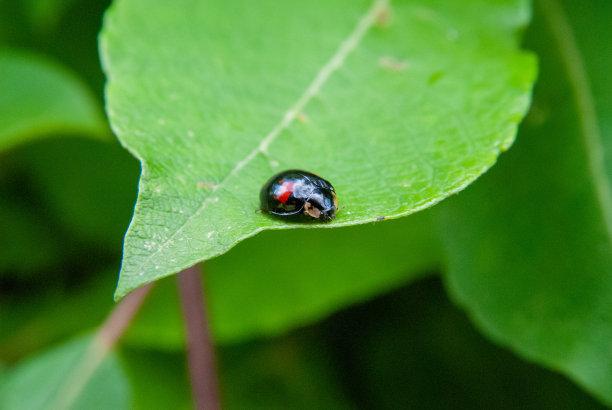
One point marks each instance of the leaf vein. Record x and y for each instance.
(335, 62)
(579, 81)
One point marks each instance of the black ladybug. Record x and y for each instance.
(299, 195)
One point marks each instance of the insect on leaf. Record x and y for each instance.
(397, 104)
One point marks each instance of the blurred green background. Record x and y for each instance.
(66, 197)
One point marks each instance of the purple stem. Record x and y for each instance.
(200, 352)
(121, 316)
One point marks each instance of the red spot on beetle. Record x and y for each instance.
(283, 197)
(285, 191)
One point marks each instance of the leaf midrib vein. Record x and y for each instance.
(579, 81)
(334, 63)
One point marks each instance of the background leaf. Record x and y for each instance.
(215, 97)
(45, 15)
(88, 186)
(38, 382)
(157, 380)
(529, 249)
(252, 291)
(21, 234)
(412, 348)
(409, 348)
(52, 312)
(40, 98)
(293, 371)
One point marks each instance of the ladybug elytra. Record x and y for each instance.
(299, 194)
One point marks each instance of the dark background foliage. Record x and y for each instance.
(66, 201)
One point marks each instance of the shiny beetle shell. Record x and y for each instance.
(295, 194)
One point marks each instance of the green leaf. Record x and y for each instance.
(33, 319)
(399, 106)
(40, 98)
(257, 289)
(45, 15)
(158, 380)
(292, 371)
(159, 324)
(54, 379)
(89, 186)
(295, 371)
(272, 295)
(26, 246)
(415, 350)
(530, 244)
